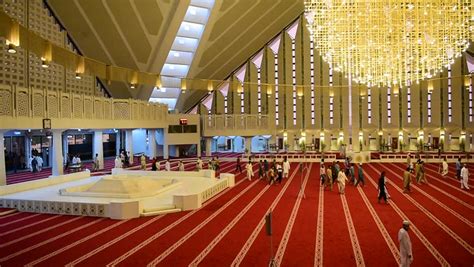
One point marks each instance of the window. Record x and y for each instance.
(450, 96)
(311, 60)
(259, 92)
(470, 99)
(242, 101)
(389, 105)
(293, 63)
(331, 109)
(428, 105)
(369, 105)
(330, 75)
(225, 104)
(277, 118)
(409, 102)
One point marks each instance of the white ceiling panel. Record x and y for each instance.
(192, 30)
(185, 44)
(178, 57)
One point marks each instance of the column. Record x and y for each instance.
(57, 151)
(65, 144)
(208, 146)
(98, 148)
(27, 149)
(248, 145)
(165, 144)
(129, 144)
(152, 144)
(3, 173)
(198, 149)
(117, 143)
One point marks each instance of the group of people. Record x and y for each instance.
(123, 160)
(273, 173)
(335, 174)
(35, 163)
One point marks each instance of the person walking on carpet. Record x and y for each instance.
(382, 189)
(406, 180)
(341, 181)
(360, 178)
(249, 169)
(237, 165)
(464, 177)
(445, 167)
(406, 255)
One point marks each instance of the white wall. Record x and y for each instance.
(139, 141)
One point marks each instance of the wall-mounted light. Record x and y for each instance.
(240, 88)
(210, 86)
(78, 76)
(11, 49)
(300, 92)
(44, 63)
(269, 89)
(183, 86)
(132, 86)
(430, 86)
(396, 90)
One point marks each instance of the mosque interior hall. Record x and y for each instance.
(236, 133)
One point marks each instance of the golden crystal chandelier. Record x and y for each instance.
(389, 42)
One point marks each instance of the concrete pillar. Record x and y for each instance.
(198, 149)
(3, 173)
(117, 143)
(129, 143)
(152, 144)
(98, 148)
(65, 144)
(208, 146)
(248, 145)
(57, 153)
(165, 144)
(27, 149)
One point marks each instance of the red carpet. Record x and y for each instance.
(228, 228)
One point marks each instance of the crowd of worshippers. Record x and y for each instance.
(335, 173)
(123, 160)
(272, 172)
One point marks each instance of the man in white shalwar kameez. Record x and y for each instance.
(464, 177)
(341, 181)
(445, 168)
(286, 168)
(249, 169)
(406, 256)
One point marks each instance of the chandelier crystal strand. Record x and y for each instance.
(386, 42)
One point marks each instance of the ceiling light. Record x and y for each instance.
(387, 42)
(11, 49)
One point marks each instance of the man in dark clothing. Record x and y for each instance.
(237, 165)
(381, 188)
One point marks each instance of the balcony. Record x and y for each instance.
(241, 125)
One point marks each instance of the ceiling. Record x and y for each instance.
(139, 34)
